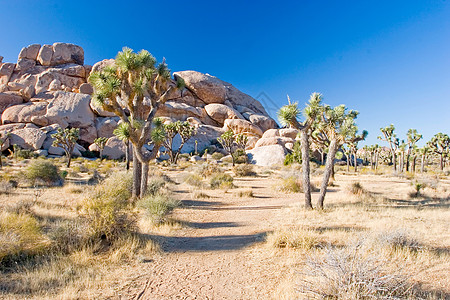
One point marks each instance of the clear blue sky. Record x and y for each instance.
(388, 59)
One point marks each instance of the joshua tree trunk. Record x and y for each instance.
(144, 179)
(137, 175)
(442, 162)
(322, 154)
(348, 164)
(328, 168)
(356, 161)
(413, 166)
(69, 157)
(394, 161)
(422, 164)
(376, 161)
(306, 168)
(408, 154)
(127, 154)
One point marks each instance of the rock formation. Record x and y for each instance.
(47, 88)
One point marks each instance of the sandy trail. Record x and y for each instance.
(217, 255)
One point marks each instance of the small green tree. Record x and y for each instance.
(233, 143)
(101, 143)
(122, 132)
(184, 129)
(3, 139)
(66, 139)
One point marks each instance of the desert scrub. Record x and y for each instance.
(248, 193)
(158, 206)
(155, 184)
(108, 211)
(20, 236)
(293, 238)
(244, 170)
(398, 239)
(194, 180)
(68, 236)
(221, 180)
(217, 155)
(43, 172)
(353, 272)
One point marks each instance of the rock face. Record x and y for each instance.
(267, 155)
(47, 88)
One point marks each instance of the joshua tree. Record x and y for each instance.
(288, 116)
(401, 152)
(352, 140)
(3, 139)
(232, 142)
(184, 129)
(424, 151)
(134, 88)
(101, 143)
(440, 145)
(338, 125)
(412, 138)
(122, 132)
(373, 151)
(66, 139)
(391, 138)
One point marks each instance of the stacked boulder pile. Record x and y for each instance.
(47, 89)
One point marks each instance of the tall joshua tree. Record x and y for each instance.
(391, 138)
(352, 140)
(134, 88)
(338, 125)
(412, 138)
(288, 116)
(440, 145)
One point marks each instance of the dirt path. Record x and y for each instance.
(217, 256)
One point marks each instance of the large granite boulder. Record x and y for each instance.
(6, 71)
(60, 53)
(206, 87)
(267, 155)
(273, 141)
(8, 99)
(220, 112)
(30, 112)
(242, 126)
(106, 126)
(28, 138)
(114, 148)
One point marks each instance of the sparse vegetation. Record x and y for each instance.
(157, 206)
(43, 172)
(243, 170)
(221, 180)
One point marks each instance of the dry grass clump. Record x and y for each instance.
(200, 195)
(247, 193)
(293, 238)
(291, 184)
(205, 170)
(194, 180)
(356, 189)
(20, 236)
(243, 170)
(398, 239)
(354, 272)
(221, 180)
(6, 187)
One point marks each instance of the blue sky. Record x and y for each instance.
(388, 59)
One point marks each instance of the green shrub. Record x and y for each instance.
(108, 209)
(157, 206)
(206, 170)
(240, 157)
(20, 235)
(295, 156)
(43, 172)
(244, 170)
(221, 180)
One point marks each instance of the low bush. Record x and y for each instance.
(217, 155)
(356, 189)
(68, 236)
(194, 180)
(43, 172)
(20, 236)
(155, 184)
(221, 180)
(157, 206)
(398, 239)
(108, 211)
(245, 193)
(244, 170)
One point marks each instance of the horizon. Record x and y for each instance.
(389, 61)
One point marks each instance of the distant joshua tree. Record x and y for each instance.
(231, 143)
(391, 138)
(66, 139)
(288, 116)
(412, 138)
(440, 145)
